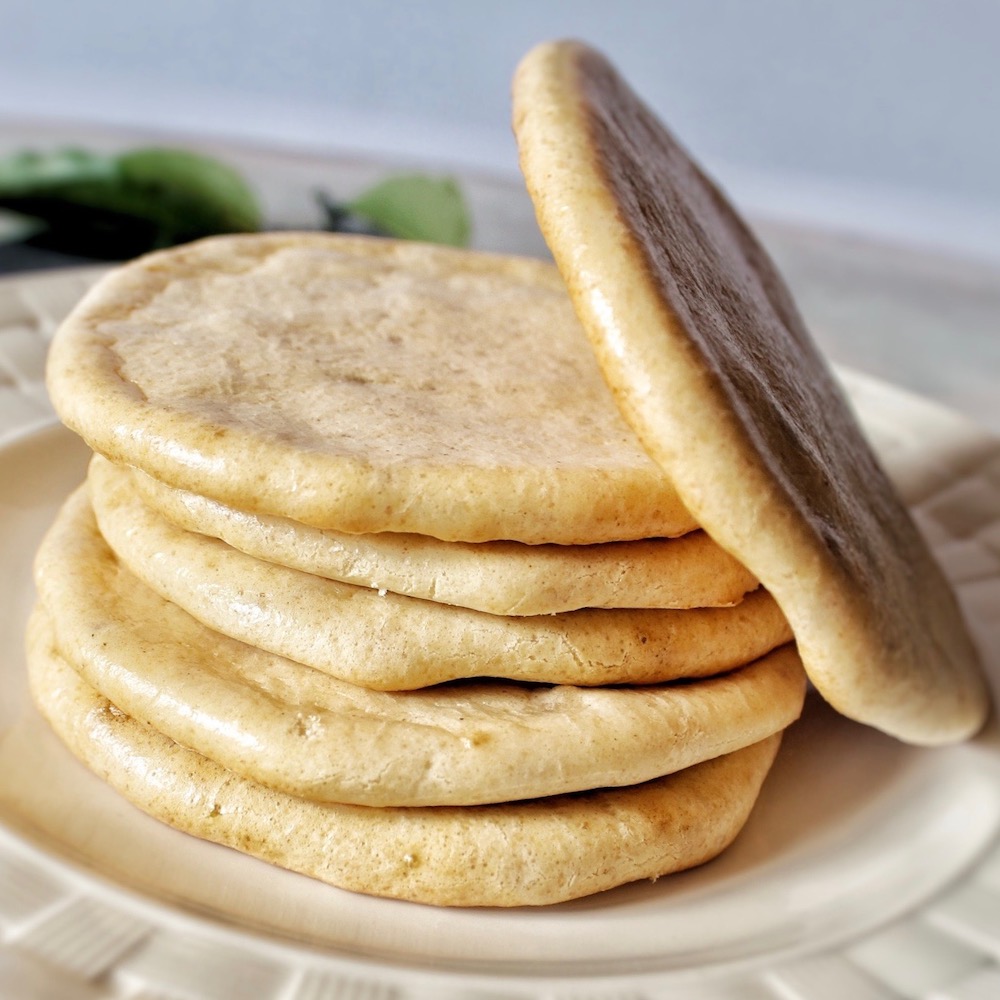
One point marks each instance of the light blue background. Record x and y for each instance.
(881, 115)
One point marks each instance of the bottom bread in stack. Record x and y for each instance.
(516, 854)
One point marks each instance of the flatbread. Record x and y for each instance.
(302, 731)
(360, 384)
(391, 642)
(501, 578)
(712, 365)
(538, 852)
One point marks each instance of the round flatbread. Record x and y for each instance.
(532, 853)
(712, 365)
(501, 578)
(302, 731)
(390, 642)
(360, 384)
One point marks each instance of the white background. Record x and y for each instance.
(873, 115)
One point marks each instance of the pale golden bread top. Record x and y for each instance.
(711, 364)
(360, 384)
(501, 578)
(388, 641)
(300, 730)
(520, 854)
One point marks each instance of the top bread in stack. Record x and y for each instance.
(361, 385)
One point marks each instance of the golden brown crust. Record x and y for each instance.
(712, 366)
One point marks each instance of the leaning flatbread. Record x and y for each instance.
(532, 853)
(501, 578)
(360, 384)
(712, 365)
(300, 730)
(391, 642)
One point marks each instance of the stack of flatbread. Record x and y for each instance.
(374, 578)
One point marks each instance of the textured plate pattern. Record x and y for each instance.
(30, 309)
(63, 934)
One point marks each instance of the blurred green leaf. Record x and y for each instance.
(189, 192)
(416, 207)
(115, 207)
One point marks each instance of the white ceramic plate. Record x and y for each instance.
(868, 868)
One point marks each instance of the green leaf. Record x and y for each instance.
(190, 193)
(115, 207)
(417, 207)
